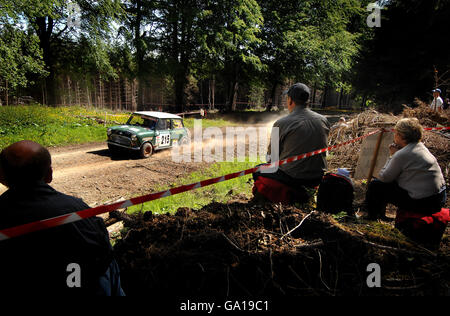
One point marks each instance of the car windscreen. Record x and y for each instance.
(177, 124)
(144, 121)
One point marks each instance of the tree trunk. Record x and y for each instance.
(139, 56)
(340, 98)
(313, 102)
(95, 103)
(88, 95)
(6, 91)
(272, 96)
(324, 97)
(133, 96)
(232, 96)
(201, 92)
(125, 84)
(110, 95)
(118, 93)
(212, 88)
(100, 91)
(69, 87)
(209, 94)
(78, 96)
(235, 94)
(43, 92)
(44, 29)
(363, 102)
(179, 93)
(140, 93)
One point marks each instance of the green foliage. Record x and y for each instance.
(238, 42)
(51, 33)
(228, 38)
(310, 40)
(340, 215)
(20, 56)
(50, 126)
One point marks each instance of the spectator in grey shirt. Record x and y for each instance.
(300, 132)
(411, 178)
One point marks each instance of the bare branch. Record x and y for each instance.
(296, 227)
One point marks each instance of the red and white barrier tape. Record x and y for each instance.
(436, 128)
(76, 216)
(427, 129)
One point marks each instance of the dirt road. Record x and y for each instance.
(88, 172)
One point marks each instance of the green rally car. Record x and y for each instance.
(147, 132)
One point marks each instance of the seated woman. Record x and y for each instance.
(411, 178)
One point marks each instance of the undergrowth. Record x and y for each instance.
(50, 126)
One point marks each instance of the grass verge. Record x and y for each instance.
(222, 192)
(58, 126)
(50, 126)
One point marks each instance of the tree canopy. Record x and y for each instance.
(398, 63)
(238, 43)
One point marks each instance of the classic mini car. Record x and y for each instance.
(146, 132)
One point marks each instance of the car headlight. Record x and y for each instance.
(133, 138)
(108, 132)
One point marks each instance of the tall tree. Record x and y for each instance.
(178, 24)
(140, 30)
(308, 41)
(233, 36)
(20, 56)
(52, 20)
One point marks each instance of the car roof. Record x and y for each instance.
(162, 115)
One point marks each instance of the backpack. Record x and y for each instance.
(335, 194)
(445, 105)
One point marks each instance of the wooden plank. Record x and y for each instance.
(366, 154)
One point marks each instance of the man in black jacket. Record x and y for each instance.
(72, 259)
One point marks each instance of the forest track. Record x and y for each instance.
(89, 172)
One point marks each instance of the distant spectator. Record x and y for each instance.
(38, 263)
(447, 103)
(437, 103)
(340, 124)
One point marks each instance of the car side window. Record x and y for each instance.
(162, 124)
(177, 124)
(149, 123)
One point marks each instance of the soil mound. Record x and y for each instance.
(239, 249)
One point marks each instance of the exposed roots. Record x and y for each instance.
(241, 249)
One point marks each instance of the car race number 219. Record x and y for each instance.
(165, 140)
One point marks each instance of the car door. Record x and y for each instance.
(163, 127)
(177, 130)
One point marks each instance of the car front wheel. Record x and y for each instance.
(146, 150)
(184, 141)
